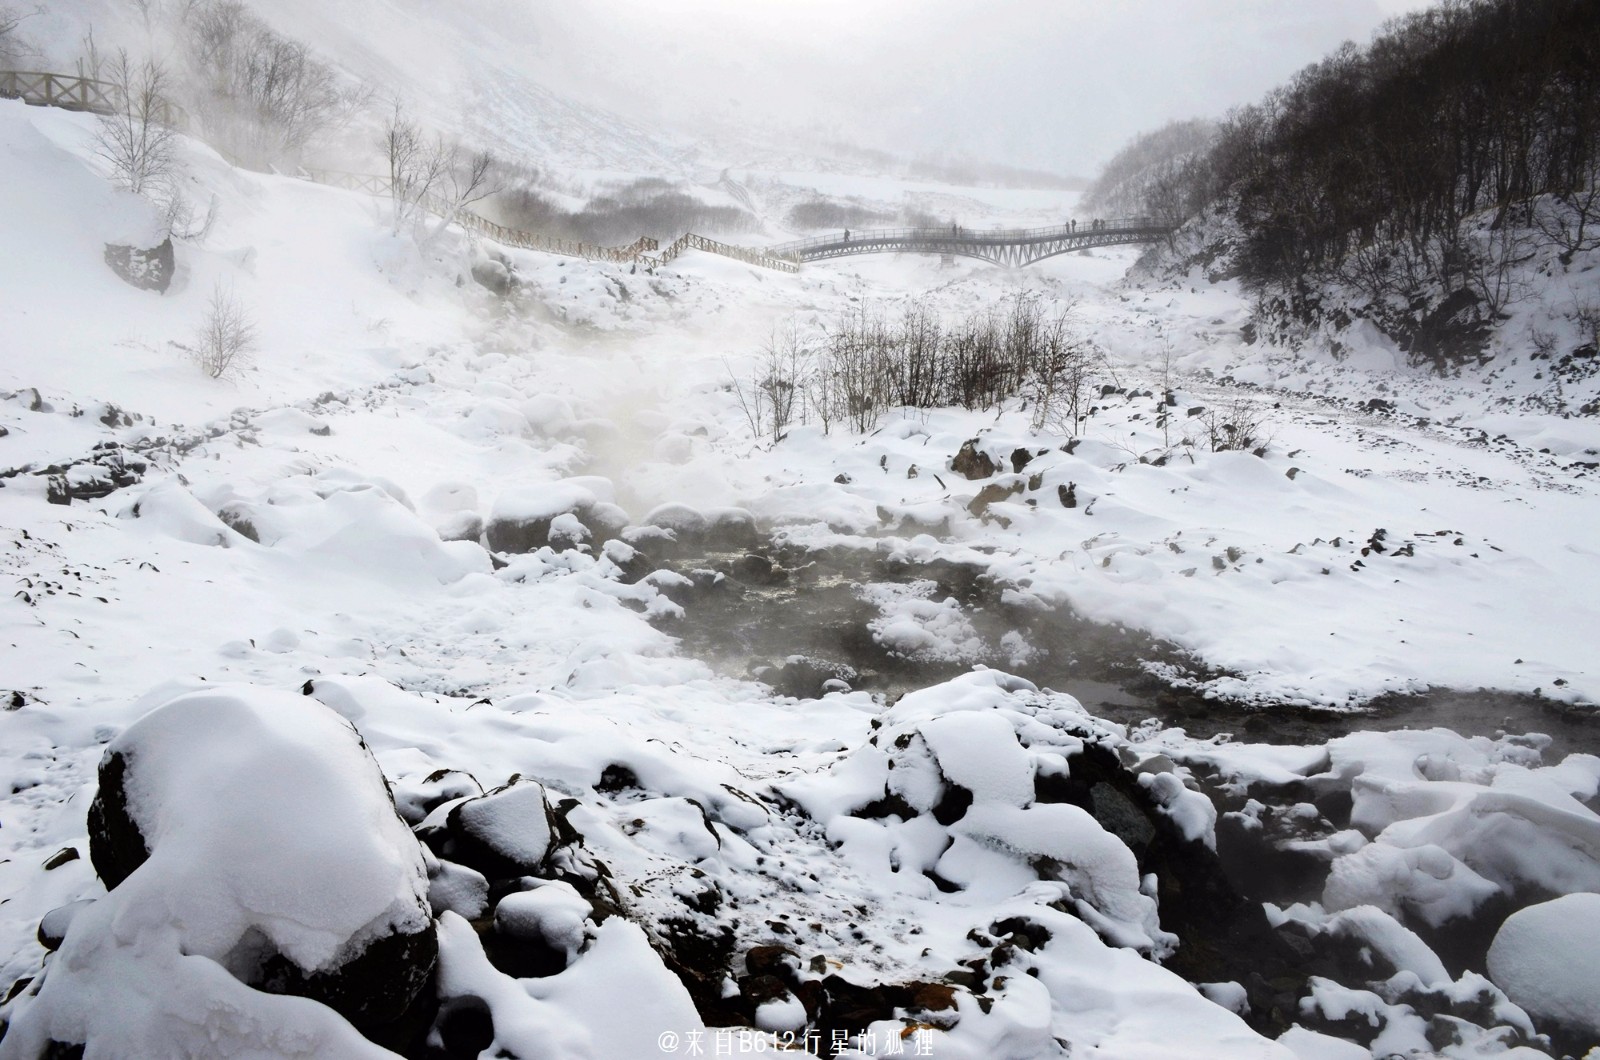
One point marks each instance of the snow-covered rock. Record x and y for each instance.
(247, 837)
(1545, 958)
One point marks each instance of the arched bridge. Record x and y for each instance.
(1011, 247)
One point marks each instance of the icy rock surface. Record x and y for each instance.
(241, 831)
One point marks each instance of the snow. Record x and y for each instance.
(390, 411)
(1543, 957)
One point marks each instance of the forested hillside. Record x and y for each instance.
(1414, 180)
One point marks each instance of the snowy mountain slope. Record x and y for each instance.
(931, 868)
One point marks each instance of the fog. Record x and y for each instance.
(1054, 84)
(1047, 84)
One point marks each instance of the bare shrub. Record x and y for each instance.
(227, 336)
(1064, 372)
(771, 397)
(870, 364)
(1240, 424)
(1586, 314)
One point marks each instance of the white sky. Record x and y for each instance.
(1057, 84)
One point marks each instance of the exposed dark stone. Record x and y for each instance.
(1453, 332)
(495, 276)
(953, 804)
(754, 568)
(1068, 495)
(602, 521)
(804, 676)
(464, 1028)
(888, 806)
(60, 858)
(374, 988)
(779, 961)
(1020, 458)
(617, 777)
(990, 494)
(1261, 869)
(1223, 936)
(522, 955)
(107, 470)
(971, 462)
(147, 269)
(236, 517)
(116, 846)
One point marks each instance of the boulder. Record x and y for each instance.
(971, 462)
(147, 269)
(253, 827)
(504, 834)
(561, 515)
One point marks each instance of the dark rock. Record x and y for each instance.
(506, 833)
(600, 521)
(236, 516)
(1020, 458)
(1068, 495)
(464, 1029)
(971, 462)
(116, 846)
(952, 805)
(991, 493)
(494, 276)
(617, 777)
(53, 927)
(804, 676)
(147, 269)
(104, 472)
(60, 858)
(374, 988)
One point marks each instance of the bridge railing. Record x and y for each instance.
(968, 234)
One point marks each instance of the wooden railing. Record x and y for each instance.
(60, 90)
(69, 92)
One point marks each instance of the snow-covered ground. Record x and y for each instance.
(978, 869)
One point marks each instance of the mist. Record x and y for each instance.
(1048, 84)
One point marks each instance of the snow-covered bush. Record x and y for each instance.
(227, 335)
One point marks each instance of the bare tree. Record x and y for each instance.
(427, 175)
(260, 95)
(12, 46)
(417, 167)
(227, 336)
(134, 139)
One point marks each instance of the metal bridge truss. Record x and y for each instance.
(1011, 248)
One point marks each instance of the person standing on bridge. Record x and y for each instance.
(1072, 225)
(847, 235)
